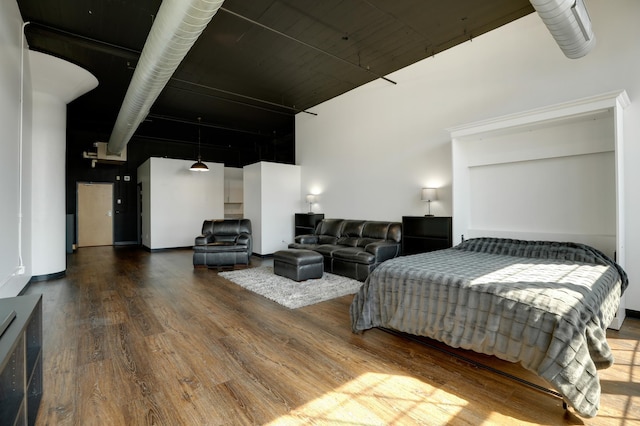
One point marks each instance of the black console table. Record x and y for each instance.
(21, 360)
(425, 233)
(305, 223)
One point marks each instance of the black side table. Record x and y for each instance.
(305, 223)
(421, 234)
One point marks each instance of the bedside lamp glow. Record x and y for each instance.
(311, 198)
(429, 195)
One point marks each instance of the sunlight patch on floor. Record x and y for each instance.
(375, 399)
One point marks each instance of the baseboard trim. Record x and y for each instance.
(126, 243)
(150, 250)
(48, 277)
(632, 313)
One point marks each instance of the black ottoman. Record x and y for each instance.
(298, 264)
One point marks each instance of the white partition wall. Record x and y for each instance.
(175, 201)
(271, 198)
(554, 173)
(55, 83)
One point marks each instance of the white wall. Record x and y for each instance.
(271, 197)
(371, 150)
(12, 246)
(179, 200)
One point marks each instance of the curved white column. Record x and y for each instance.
(55, 83)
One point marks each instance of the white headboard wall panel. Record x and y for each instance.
(566, 195)
(553, 173)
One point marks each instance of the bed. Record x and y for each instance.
(543, 304)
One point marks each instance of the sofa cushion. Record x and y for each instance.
(354, 254)
(225, 238)
(351, 233)
(327, 249)
(327, 239)
(330, 227)
(363, 242)
(348, 241)
(352, 228)
(376, 230)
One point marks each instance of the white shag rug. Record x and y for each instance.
(288, 292)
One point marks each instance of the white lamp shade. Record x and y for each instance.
(311, 198)
(429, 194)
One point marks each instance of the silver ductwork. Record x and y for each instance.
(176, 28)
(569, 24)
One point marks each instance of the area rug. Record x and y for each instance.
(290, 293)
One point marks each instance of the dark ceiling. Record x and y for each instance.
(258, 62)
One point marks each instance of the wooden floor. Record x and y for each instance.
(136, 338)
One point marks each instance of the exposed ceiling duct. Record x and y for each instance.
(569, 24)
(176, 28)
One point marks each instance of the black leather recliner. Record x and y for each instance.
(223, 242)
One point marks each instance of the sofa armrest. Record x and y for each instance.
(307, 239)
(245, 239)
(203, 240)
(383, 250)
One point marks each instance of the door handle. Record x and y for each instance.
(109, 213)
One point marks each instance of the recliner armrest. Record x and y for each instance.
(203, 240)
(307, 239)
(243, 239)
(383, 250)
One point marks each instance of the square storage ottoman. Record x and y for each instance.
(298, 264)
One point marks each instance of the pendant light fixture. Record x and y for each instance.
(199, 166)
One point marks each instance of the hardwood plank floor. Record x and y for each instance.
(136, 338)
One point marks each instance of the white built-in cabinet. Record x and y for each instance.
(553, 173)
(271, 197)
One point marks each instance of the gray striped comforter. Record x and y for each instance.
(544, 304)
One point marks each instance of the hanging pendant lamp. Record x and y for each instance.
(199, 166)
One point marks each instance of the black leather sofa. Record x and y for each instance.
(352, 248)
(224, 242)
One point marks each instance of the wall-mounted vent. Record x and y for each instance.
(102, 156)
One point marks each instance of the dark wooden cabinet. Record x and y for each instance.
(305, 223)
(21, 360)
(425, 233)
